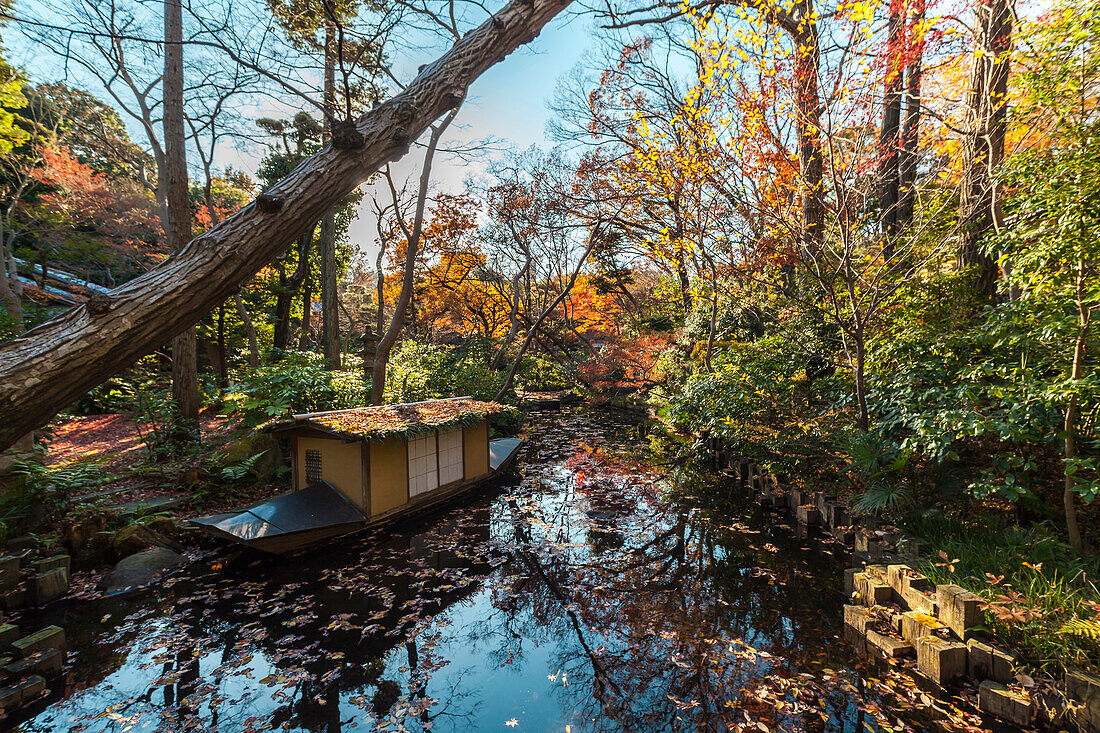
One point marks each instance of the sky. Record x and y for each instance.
(507, 104)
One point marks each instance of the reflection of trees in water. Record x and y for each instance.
(655, 618)
(309, 634)
(665, 621)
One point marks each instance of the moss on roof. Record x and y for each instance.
(383, 421)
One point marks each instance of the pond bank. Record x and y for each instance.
(896, 612)
(591, 590)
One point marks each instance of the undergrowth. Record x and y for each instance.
(1040, 598)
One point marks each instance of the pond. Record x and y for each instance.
(582, 594)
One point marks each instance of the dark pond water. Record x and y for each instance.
(583, 594)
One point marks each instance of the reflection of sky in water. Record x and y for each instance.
(575, 596)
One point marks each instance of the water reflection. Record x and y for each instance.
(585, 593)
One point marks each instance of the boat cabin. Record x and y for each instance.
(383, 458)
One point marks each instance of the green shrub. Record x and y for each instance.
(45, 493)
(539, 374)
(419, 371)
(298, 383)
(759, 402)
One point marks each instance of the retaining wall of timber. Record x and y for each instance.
(896, 613)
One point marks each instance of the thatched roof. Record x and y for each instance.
(383, 421)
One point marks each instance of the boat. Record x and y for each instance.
(360, 468)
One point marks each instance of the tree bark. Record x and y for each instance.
(223, 361)
(380, 290)
(49, 366)
(804, 33)
(1084, 312)
(250, 332)
(305, 335)
(863, 420)
(177, 224)
(889, 140)
(910, 129)
(11, 289)
(330, 315)
(288, 288)
(984, 143)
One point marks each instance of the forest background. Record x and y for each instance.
(856, 241)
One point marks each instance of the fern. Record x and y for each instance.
(881, 497)
(1081, 627)
(238, 471)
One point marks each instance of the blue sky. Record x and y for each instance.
(508, 103)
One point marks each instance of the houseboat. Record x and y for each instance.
(354, 469)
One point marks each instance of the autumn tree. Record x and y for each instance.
(211, 268)
(412, 231)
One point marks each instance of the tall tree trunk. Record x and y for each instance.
(249, 330)
(11, 291)
(330, 315)
(889, 139)
(804, 34)
(397, 321)
(863, 419)
(534, 329)
(288, 288)
(910, 129)
(380, 290)
(685, 284)
(177, 226)
(1084, 312)
(712, 321)
(984, 142)
(11, 288)
(305, 336)
(223, 363)
(50, 366)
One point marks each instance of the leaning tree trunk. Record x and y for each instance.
(50, 366)
(984, 143)
(177, 225)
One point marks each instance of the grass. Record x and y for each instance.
(1032, 582)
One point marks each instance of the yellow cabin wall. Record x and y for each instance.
(341, 466)
(475, 444)
(389, 474)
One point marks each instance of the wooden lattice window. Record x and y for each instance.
(313, 467)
